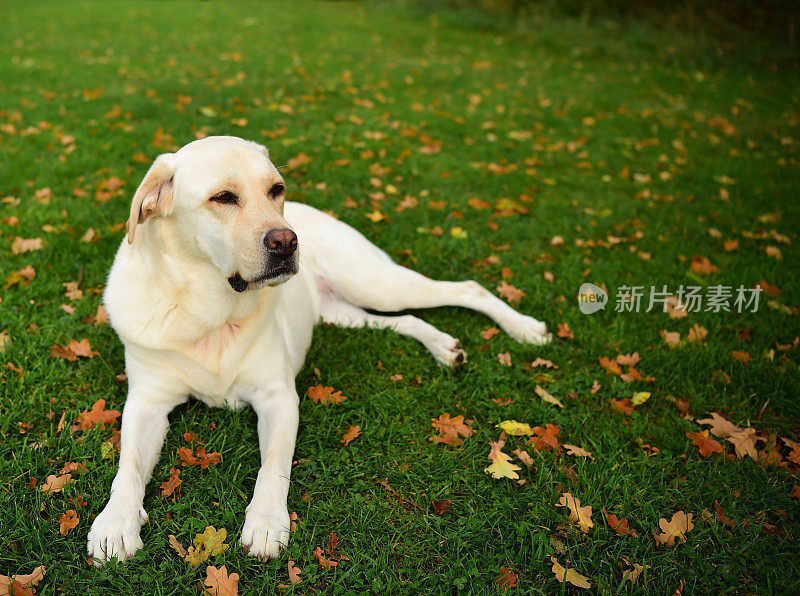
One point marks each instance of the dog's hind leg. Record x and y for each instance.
(445, 348)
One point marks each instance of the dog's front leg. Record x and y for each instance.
(115, 532)
(266, 526)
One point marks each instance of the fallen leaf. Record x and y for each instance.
(325, 395)
(68, 521)
(21, 585)
(620, 526)
(633, 574)
(543, 393)
(676, 528)
(489, 333)
(578, 451)
(542, 362)
(323, 562)
(697, 334)
(514, 428)
(172, 484)
(73, 350)
(569, 575)
(504, 358)
(706, 444)
(202, 458)
(623, 406)
(577, 514)
(671, 338)
(441, 507)
(351, 434)
(23, 245)
(509, 292)
(22, 276)
(177, 546)
(640, 397)
(564, 331)
(524, 457)
(501, 466)
(55, 484)
(702, 265)
(97, 415)
(450, 429)
(507, 579)
(219, 583)
(207, 544)
(545, 438)
(294, 572)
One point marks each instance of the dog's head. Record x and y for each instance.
(221, 200)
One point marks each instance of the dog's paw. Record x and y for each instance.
(265, 535)
(115, 533)
(449, 352)
(528, 330)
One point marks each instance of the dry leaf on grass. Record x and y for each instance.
(219, 583)
(675, 529)
(507, 579)
(620, 526)
(547, 397)
(350, 435)
(97, 415)
(320, 394)
(177, 546)
(501, 466)
(450, 428)
(21, 585)
(202, 458)
(207, 544)
(169, 488)
(68, 521)
(577, 514)
(514, 428)
(55, 484)
(569, 575)
(73, 350)
(578, 451)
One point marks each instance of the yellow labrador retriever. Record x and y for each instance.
(215, 294)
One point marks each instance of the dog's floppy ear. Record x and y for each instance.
(154, 195)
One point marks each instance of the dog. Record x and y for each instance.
(215, 293)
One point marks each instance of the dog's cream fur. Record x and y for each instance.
(187, 332)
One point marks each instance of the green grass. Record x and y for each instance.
(333, 75)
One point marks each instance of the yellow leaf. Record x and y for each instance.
(677, 527)
(543, 393)
(569, 575)
(206, 545)
(512, 427)
(640, 397)
(503, 468)
(580, 515)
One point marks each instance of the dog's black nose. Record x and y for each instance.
(281, 242)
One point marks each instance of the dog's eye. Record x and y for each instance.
(225, 197)
(277, 190)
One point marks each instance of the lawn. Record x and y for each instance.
(543, 158)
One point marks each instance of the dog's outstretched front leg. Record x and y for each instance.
(115, 532)
(266, 526)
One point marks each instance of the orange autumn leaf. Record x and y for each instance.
(294, 572)
(324, 562)
(706, 444)
(489, 333)
(577, 514)
(351, 434)
(21, 585)
(169, 488)
(73, 350)
(22, 245)
(68, 521)
(675, 529)
(577, 451)
(622, 406)
(219, 583)
(507, 579)
(612, 366)
(620, 526)
(697, 334)
(564, 331)
(55, 484)
(325, 395)
(741, 356)
(201, 458)
(504, 358)
(450, 428)
(509, 292)
(545, 438)
(97, 415)
(702, 265)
